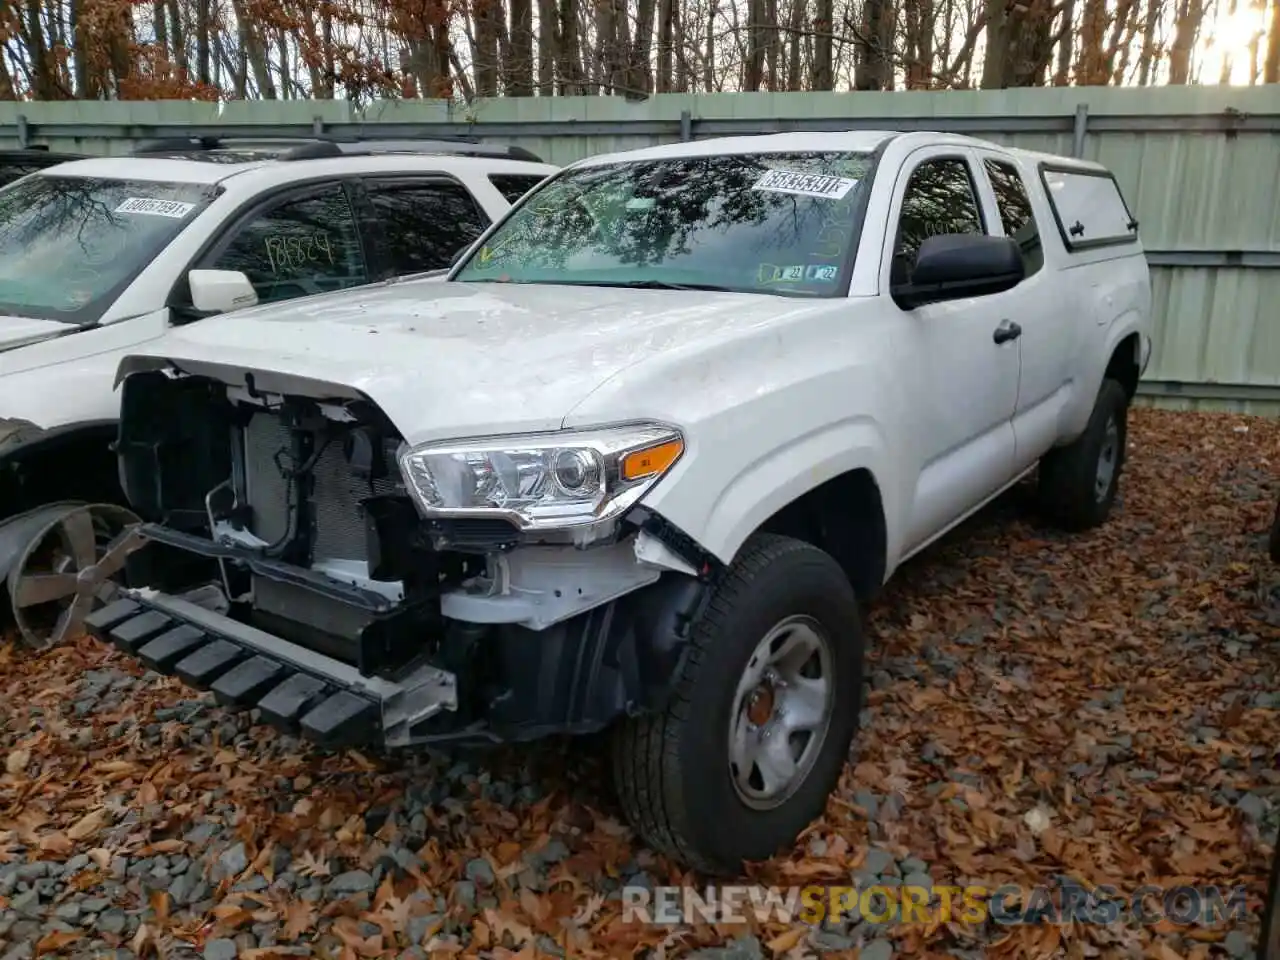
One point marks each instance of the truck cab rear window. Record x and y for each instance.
(1089, 208)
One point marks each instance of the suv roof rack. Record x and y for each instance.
(320, 147)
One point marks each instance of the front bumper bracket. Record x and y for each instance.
(295, 689)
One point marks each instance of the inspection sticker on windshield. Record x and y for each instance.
(805, 184)
(156, 208)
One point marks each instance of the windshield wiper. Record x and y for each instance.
(658, 285)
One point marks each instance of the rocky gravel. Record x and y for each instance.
(1104, 707)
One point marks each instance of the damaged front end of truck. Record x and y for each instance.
(297, 556)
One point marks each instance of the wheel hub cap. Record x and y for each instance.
(1108, 457)
(67, 568)
(760, 705)
(781, 712)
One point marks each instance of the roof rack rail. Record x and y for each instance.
(322, 146)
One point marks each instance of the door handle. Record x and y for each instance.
(1008, 330)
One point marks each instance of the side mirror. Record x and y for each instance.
(220, 291)
(955, 265)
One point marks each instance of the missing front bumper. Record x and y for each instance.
(294, 688)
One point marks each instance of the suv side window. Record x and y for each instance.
(299, 246)
(940, 198)
(422, 225)
(1014, 204)
(513, 186)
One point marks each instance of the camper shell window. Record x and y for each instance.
(1088, 206)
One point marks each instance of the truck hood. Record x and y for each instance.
(20, 331)
(457, 359)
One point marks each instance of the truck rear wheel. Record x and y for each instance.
(1078, 482)
(759, 723)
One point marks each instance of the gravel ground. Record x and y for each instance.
(1104, 706)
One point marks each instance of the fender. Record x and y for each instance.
(745, 501)
(73, 462)
(1075, 417)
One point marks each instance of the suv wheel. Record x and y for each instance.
(759, 723)
(1078, 482)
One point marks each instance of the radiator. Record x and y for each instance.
(339, 531)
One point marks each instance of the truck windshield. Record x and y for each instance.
(775, 223)
(70, 245)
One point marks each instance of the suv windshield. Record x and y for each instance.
(779, 223)
(69, 245)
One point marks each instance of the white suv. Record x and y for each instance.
(99, 256)
(637, 462)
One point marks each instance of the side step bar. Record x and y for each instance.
(295, 688)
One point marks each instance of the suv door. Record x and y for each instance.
(293, 244)
(965, 385)
(417, 224)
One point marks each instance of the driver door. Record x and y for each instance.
(965, 387)
(296, 244)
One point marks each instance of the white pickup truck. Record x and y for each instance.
(637, 462)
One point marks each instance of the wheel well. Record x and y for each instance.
(76, 463)
(1123, 365)
(844, 517)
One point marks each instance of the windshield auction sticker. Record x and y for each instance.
(805, 184)
(156, 208)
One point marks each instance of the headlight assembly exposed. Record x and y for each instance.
(542, 481)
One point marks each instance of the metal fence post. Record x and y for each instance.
(24, 138)
(317, 126)
(686, 126)
(1079, 130)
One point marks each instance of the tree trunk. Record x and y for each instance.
(681, 52)
(795, 27)
(203, 37)
(1062, 73)
(255, 48)
(548, 46)
(520, 65)
(642, 47)
(919, 43)
(709, 67)
(666, 30)
(162, 30)
(571, 70)
(1271, 66)
(753, 62)
(1190, 14)
(620, 53)
(1019, 44)
(1147, 58)
(874, 70)
(1228, 55)
(823, 27)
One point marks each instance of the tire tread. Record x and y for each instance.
(646, 750)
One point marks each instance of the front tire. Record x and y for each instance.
(1078, 482)
(759, 723)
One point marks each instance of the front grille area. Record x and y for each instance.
(336, 492)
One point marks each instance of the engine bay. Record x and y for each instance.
(297, 508)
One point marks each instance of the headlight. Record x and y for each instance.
(542, 481)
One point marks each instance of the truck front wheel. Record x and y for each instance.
(758, 726)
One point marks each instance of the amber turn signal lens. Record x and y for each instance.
(651, 460)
